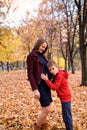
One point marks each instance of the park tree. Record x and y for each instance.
(82, 21)
(46, 15)
(68, 33)
(28, 36)
(6, 6)
(9, 42)
(31, 30)
(61, 29)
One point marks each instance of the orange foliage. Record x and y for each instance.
(19, 110)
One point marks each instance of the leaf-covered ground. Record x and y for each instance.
(19, 110)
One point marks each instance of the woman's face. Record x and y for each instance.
(42, 47)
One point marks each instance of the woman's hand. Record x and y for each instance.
(44, 77)
(36, 94)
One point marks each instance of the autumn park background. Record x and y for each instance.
(63, 23)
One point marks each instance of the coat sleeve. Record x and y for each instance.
(30, 70)
(57, 83)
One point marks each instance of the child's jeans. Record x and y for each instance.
(67, 116)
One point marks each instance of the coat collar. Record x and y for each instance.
(35, 54)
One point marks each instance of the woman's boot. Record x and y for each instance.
(36, 127)
(44, 126)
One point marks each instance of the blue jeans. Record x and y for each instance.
(67, 116)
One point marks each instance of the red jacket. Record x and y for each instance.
(61, 86)
(34, 69)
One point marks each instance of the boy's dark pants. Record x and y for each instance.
(67, 116)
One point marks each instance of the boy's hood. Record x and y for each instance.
(64, 73)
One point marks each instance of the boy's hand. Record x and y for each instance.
(44, 77)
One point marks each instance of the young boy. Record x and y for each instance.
(60, 84)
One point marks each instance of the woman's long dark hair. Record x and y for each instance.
(39, 43)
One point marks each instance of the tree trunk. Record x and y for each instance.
(65, 64)
(72, 66)
(83, 51)
(17, 64)
(82, 41)
(84, 67)
(7, 66)
(2, 66)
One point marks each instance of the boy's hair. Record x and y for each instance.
(51, 63)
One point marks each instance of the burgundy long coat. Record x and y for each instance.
(34, 69)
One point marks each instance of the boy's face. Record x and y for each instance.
(53, 69)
